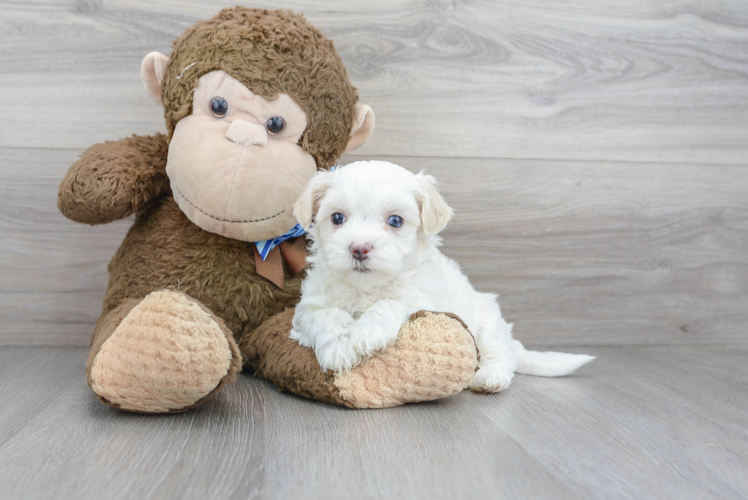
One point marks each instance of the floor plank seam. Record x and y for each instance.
(364, 155)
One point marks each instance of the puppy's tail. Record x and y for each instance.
(548, 364)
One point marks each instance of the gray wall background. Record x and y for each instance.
(596, 153)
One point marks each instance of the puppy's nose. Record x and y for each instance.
(360, 251)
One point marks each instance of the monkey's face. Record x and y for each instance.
(234, 164)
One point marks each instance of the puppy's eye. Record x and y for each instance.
(395, 221)
(338, 218)
(275, 125)
(219, 107)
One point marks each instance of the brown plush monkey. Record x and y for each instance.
(255, 102)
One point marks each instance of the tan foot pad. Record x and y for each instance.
(434, 357)
(166, 355)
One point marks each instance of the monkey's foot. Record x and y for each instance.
(434, 357)
(167, 355)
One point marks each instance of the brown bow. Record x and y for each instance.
(293, 251)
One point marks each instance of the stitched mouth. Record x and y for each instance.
(226, 220)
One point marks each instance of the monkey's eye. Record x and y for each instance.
(338, 218)
(275, 125)
(219, 107)
(395, 221)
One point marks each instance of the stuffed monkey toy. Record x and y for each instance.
(205, 282)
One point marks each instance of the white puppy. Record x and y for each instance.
(375, 261)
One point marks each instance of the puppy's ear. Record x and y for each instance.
(435, 213)
(308, 203)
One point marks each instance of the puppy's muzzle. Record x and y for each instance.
(360, 251)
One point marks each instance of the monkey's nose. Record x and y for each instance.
(360, 251)
(247, 133)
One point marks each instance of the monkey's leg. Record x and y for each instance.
(434, 357)
(165, 353)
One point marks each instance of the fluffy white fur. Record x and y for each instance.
(352, 308)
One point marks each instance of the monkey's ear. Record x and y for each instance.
(307, 205)
(363, 126)
(152, 71)
(435, 213)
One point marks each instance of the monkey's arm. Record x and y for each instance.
(114, 179)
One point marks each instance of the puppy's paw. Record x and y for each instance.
(369, 337)
(337, 355)
(494, 377)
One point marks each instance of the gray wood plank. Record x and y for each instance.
(581, 253)
(30, 382)
(674, 415)
(590, 80)
(52, 271)
(639, 422)
(611, 253)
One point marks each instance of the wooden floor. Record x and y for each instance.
(639, 422)
(596, 153)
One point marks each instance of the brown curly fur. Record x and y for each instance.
(163, 249)
(273, 355)
(115, 179)
(269, 51)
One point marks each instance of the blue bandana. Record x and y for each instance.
(264, 247)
